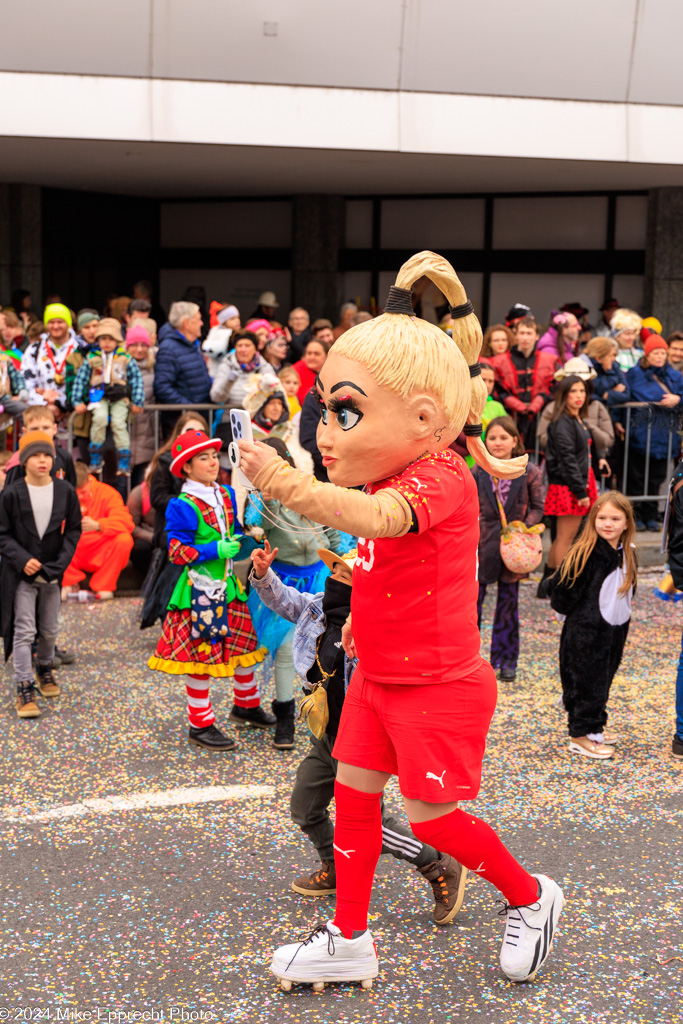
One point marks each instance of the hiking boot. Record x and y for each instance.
(284, 727)
(322, 882)
(210, 738)
(677, 747)
(46, 681)
(258, 717)
(95, 453)
(124, 462)
(447, 878)
(26, 700)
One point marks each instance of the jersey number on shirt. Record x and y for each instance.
(366, 553)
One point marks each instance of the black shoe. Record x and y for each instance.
(257, 717)
(66, 657)
(677, 747)
(284, 727)
(210, 738)
(508, 674)
(541, 592)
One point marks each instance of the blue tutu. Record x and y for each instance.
(272, 630)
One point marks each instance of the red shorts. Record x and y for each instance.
(432, 735)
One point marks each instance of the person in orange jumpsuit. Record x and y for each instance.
(106, 541)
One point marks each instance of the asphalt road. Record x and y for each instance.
(126, 898)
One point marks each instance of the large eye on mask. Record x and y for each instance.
(344, 410)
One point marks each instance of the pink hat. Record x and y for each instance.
(256, 325)
(137, 336)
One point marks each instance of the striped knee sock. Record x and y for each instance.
(198, 704)
(246, 689)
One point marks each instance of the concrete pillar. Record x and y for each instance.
(318, 235)
(663, 292)
(21, 242)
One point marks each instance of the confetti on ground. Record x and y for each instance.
(176, 906)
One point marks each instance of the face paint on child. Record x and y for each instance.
(203, 468)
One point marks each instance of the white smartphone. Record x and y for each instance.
(240, 423)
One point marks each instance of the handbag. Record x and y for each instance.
(209, 605)
(521, 547)
(313, 710)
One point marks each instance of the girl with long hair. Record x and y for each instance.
(593, 589)
(521, 501)
(569, 463)
(562, 336)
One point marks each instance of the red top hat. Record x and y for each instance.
(189, 444)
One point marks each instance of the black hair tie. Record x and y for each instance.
(475, 369)
(398, 301)
(457, 312)
(473, 430)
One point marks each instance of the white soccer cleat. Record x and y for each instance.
(529, 932)
(325, 955)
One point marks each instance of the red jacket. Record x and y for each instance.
(507, 378)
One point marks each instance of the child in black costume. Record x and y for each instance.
(593, 589)
(320, 658)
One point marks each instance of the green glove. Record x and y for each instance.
(228, 548)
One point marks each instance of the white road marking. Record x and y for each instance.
(138, 802)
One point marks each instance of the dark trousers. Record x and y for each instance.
(588, 664)
(310, 801)
(505, 634)
(646, 511)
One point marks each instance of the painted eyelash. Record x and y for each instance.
(335, 405)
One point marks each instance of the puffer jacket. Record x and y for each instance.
(650, 384)
(607, 380)
(181, 376)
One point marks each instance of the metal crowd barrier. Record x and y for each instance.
(632, 411)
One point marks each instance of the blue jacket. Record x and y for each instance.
(607, 380)
(180, 375)
(645, 387)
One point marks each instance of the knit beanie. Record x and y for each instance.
(57, 311)
(86, 318)
(137, 336)
(653, 342)
(33, 442)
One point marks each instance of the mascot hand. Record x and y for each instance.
(228, 548)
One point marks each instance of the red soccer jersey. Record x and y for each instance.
(414, 599)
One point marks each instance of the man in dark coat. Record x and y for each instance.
(40, 525)
(181, 376)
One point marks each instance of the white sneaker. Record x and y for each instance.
(529, 932)
(325, 955)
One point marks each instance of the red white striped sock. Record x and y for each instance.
(198, 704)
(246, 689)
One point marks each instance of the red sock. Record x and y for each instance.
(198, 703)
(474, 843)
(245, 688)
(357, 846)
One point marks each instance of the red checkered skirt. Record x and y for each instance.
(178, 653)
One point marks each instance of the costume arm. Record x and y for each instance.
(513, 403)
(81, 384)
(181, 527)
(222, 385)
(563, 598)
(137, 387)
(385, 514)
(116, 518)
(10, 548)
(536, 509)
(288, 602)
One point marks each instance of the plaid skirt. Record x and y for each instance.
(179, 654)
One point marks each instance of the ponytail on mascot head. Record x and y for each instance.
(409, 355)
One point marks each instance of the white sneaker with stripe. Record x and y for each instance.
(529, 932)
